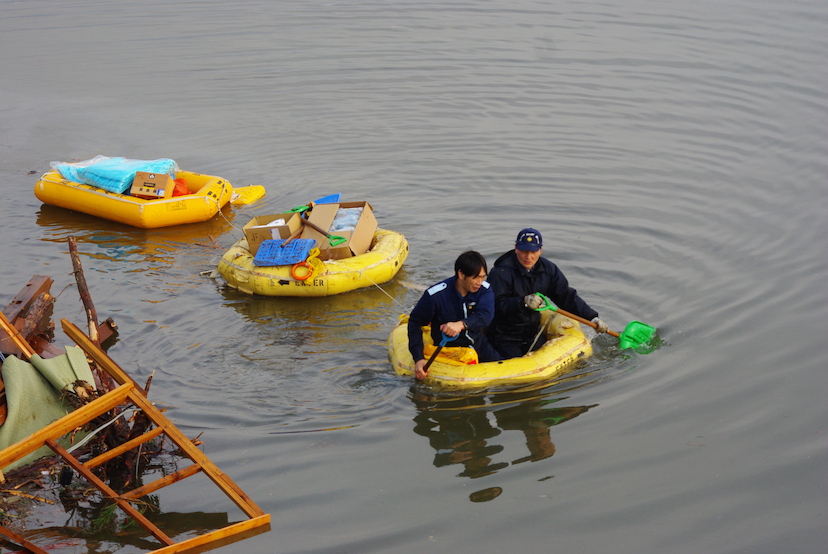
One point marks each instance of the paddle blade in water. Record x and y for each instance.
(635, 335)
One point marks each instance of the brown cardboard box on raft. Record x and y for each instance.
(152, 186)
(357, 239)
(267, 227)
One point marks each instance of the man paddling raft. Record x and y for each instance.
(517, 277)
(461, 306)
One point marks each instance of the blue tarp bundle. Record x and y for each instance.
(112, 174)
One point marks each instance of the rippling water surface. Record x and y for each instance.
(672, 154)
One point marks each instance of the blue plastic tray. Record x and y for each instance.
(272, 253)
(330, 199)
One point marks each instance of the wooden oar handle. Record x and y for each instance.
(583, 320)
(316, 227)
(295, 234)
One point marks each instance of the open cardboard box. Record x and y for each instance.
(357, 241)
(152, 186)
(261, 228)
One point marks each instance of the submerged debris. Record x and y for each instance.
(95, 438)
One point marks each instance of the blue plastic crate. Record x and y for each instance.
(271, 252)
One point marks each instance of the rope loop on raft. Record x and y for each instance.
(313, 264)
(295, 274)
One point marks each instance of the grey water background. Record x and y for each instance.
(673, 154)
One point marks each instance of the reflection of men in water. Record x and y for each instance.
(461, 429)
(535, 425)
(460, 437)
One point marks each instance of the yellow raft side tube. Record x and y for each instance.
(208, 194)
(380, 264)
(566, 344)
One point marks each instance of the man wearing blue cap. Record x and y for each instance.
(516, 278)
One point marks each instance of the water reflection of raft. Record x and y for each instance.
(380, 264)
(208, 194)
(565, 345)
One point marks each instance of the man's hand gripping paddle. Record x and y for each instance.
(635, 334)
(446, 339)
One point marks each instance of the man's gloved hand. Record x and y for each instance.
(600, 326)
(533, 301)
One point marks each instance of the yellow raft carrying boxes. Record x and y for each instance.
(208, 194)
(347, 251)
(378, 265)
(566, 345)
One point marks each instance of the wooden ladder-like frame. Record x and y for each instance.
(128, 392)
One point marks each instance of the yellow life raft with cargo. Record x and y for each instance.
(315, 277)
(565, 345)
(208, 194)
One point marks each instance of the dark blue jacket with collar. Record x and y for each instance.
(441, 304)
(514, 322)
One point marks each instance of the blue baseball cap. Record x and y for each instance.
(530, 240)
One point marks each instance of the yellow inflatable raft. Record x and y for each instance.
(382, 261)
(208, 194)
(566, 344)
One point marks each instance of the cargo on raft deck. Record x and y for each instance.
(380, 264)
(208, 194)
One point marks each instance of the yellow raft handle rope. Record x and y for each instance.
(312, 263)
(372, 281)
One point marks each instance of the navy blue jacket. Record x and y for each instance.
(514, 322)
(442, 304)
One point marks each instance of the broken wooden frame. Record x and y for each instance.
(30, 309)
(128, 392)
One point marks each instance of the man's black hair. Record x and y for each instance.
(470, 263)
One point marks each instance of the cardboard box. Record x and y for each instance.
(357, 241)
(152, 185)
(266, 227)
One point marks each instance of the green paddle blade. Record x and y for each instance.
(636, 335)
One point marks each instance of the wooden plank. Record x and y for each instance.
(107, 329)
(221, 480)
(15, 336)
(17, 539)
(101, 358)
(221, 537)
(69, 422)
(139, 399)
(126, 447)
(38, 318)
(259, 522)
(36, 286)
(45, 348)
(110, 493)
(158, 484)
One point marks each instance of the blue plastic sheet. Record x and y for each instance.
(112, 174)
(346, 219)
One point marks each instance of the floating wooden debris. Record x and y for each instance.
(118, 393)
(30, 314)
